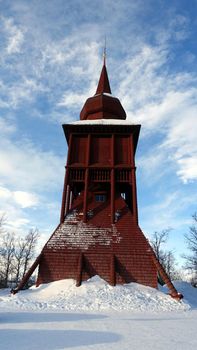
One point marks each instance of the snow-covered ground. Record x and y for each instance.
(97, 316)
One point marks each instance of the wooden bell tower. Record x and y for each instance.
(98, 231)
(100, 162)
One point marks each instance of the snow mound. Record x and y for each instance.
(94, 295)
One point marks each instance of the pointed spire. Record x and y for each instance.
(103, 84)
(104, 53)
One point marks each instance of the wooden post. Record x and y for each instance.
(27, 276)
(79, 270)
(85, 202)
(133, 181)
(112, 150)
(88, 150)
(67, 199)
(113, 270)
(131, 151)
(112, 181)
(134, 194)
(66, 180)
(173, 292)
(112, 196)
(64, 197)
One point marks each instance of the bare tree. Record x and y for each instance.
(16, 254)
(157, 241)
(19, 258)
(30, 245)
(165, 257)
(6, 256)
(24, 252)
(2, 221)
(170, 264)
(191, 240)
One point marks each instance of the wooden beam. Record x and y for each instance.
(86, 186)
(66, 180)
(27, 276)
(173, 292)
(67, 199)
(88, 150)
(112, 179)
(85, 201)
(79, 270)
(64, 197)
(112, 196)
(133, 180)
(112, 150)
(134, 194)
(113, 270)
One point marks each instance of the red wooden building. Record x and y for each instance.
(98, 232)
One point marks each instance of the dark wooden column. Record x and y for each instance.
(134, 194)
(173, 292)
(85, 202)
(112, 182)
(27, 275)
(66, 180)
(133, 181)
(79, 270)
(67, 198)
(113, 270)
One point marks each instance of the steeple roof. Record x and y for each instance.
(102, 105)
(103, 84)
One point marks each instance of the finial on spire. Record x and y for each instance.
(104, 52)
(103, 84)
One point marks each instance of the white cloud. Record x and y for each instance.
(72, 100)
(17, 224)
(28, 175)
(165, 104)
(76, 100)
(23, 164)
(25, 199)
(14, 36)
(12, 204)
(5, 193)
(21, 198)
(17, 92)
(169, 210)
(187, 169)
(49, 66)
(153, 165)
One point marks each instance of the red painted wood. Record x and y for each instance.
(85, 199)
(68, 193)
(103, 84)
(112, 196)
(134, 194)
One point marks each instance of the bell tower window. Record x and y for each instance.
(100, 198)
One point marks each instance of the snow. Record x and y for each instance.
(73, 233)
(106, 94)
(95, 295)
(103, 122)
(59, 315)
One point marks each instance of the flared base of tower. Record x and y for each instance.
(112, 268)
(119, 253)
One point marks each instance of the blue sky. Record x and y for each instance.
(51, 57)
